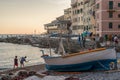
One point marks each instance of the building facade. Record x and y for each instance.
(67, 14)
(98, 16)
(89, 15)
(107, 17)
(77, 16)
(60, 24)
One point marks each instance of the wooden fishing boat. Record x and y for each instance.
(96, 59)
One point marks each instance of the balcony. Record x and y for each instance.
(112, 9)
(74, 4)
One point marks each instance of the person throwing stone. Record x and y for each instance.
(22, 60)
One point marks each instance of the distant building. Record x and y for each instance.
(51, 27)
(67, 14)
(60, 24)
(60, 18)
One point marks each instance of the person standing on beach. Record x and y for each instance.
(79, 41)
(15, 62)
(22, 60)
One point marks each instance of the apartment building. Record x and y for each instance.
(89, 15)
(77, 16)
(107, 17)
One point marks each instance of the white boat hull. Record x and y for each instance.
(81, 62)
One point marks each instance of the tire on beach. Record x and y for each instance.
(112, 66)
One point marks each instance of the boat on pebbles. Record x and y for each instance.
(95, 59)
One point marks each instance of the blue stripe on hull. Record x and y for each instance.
(94, 65)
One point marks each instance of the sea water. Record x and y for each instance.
(8, 51)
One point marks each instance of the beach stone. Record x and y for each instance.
(31, 73)
(46, 73)
(18, 78)
(71, 78)
(10, 73)
(33, 78)
(22, 73)
(6, 77)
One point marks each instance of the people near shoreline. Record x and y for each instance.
(79, 40)
(22, 60)
(15, 62)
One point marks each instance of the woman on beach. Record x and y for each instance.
(15, 62)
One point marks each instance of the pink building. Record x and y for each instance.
(107, 17)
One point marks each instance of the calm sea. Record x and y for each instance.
(8, 51)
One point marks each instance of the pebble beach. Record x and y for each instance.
(38, 72)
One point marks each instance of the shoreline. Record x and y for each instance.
(36, 68)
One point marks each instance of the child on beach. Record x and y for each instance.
(15, 62)
(22, 60)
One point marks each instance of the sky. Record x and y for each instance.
(29, 16)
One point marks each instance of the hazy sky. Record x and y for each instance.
(26, 16)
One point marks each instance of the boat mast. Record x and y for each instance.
(69, 33)
(49, 45)
(61, 47)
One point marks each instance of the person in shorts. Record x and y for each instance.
(15, 62)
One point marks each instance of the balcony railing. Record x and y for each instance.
(112, 9)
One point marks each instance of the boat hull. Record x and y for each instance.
(93, 65)
(96, 60)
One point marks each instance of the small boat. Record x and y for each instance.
(96, 59)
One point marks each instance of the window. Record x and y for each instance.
(81, 10)
(78, 4)
(78, 11)
(119, 26)
(97, 6)
(118, 15)
(110, 14)
(110, 4)
(110, 25)
(118, 4)
(75, 11)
